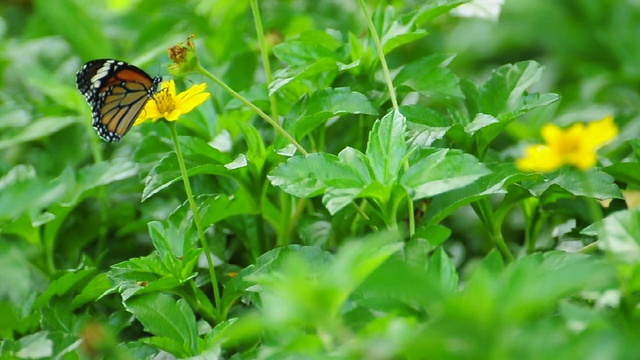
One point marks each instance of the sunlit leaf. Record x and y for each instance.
(386, 147)
(441, 171)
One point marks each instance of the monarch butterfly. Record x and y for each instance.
(117, 92)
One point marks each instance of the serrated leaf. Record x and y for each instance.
(479, 122)
(394, 30)
(430, 77)
(162, 316)
(387, 147)
(63, 284)
(335, 199)
(591, 183)
(496, 183)
(308, 176)
(312, 110)
(504, 91)
(292, 73)
(424, 125)
(441, 171)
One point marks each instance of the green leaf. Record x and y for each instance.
(64, 284)
(387, 148)
(433, 235)
(502, 175)
(293, 73)
(430, 77)
(222, 206)
(312, 110)
(21, 193)
(503, 92)
(98, 287)
(299, 53)
(15, 270)
(60, 14)
(394, 30)
(273, 260)
(431, 10)
(200, 158)
(480, 122)
(314, 230)
(162, 316)
(618, 235)
(283, 301)
(441, 267)
(151, 274)
(311, 175)
(441, 171)
(38, 129)
(591, 183)
(256, 151)
(424, 125)
(106, 172)
(34, 346)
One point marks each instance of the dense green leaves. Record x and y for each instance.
(367, 204)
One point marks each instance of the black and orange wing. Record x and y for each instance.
(117, 92)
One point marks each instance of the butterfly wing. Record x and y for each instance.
(117, 92)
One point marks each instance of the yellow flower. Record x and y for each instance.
(575, 146)
(166, 104)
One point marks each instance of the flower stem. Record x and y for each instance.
(383, 61)
(194, 211)
(261, 113)
(264, 51)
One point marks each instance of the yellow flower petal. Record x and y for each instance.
(169, 105)
(601, 132)
(170, 86)
(575, 146)
(539, 158)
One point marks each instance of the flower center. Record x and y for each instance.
(166, 103)
(569, 145)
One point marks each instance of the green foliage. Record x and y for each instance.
(323, 215)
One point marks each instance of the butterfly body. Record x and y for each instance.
(117, 92)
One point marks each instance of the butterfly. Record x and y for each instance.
(117, 92)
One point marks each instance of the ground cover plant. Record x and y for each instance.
(324, 180)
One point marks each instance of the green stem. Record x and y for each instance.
(412, 220)
(302, 202)
(494, 225)
(594, 206)
(260, 113)
(264, 51)
(194, 211)
(383, 61)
